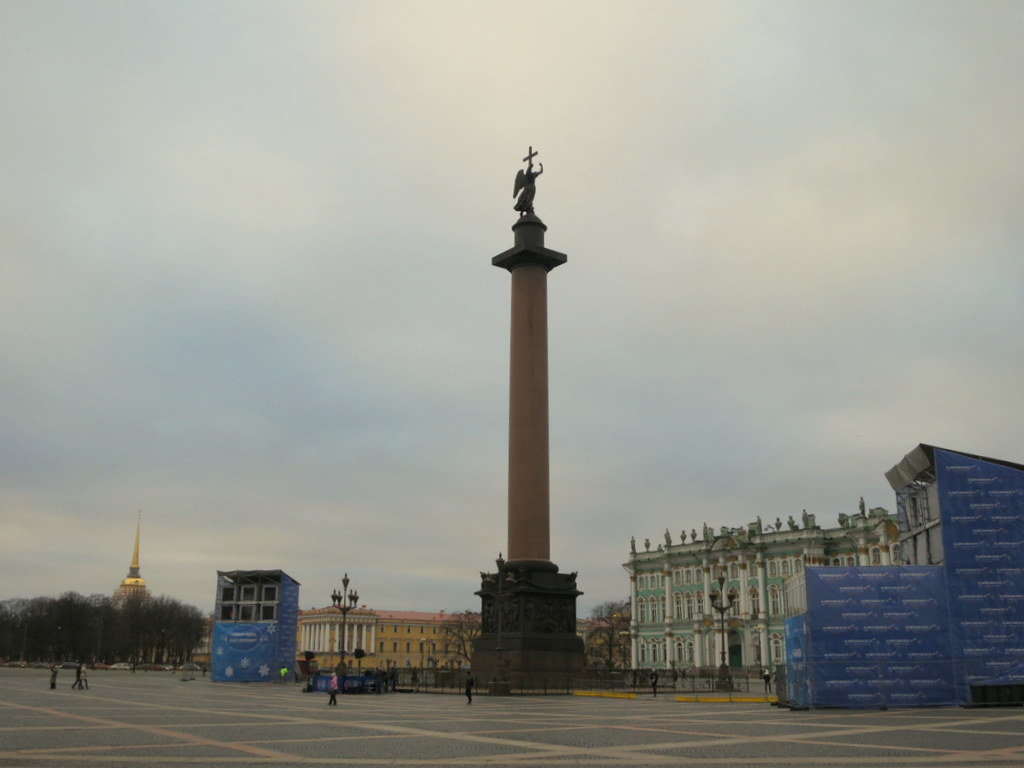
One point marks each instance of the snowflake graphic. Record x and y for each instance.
(220, 651)
(245, 663)
(272, 629)
(264, 670)
(229, 672)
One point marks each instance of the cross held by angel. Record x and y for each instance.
(525, 187)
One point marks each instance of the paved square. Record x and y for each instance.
(155, 719)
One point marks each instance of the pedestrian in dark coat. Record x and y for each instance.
(53, 676)
(78, 676)
(654, 682)
(469, 689)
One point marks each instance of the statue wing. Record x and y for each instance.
(520, 182)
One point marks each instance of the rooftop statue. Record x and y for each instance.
(525, 187)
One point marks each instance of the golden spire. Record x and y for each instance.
(133, 584)
(135, 554)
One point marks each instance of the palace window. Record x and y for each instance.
(699, 598)
(785, 567)
(897, 554)
(677, 604)
(677, 577)
(755, 601)
(773, 568)
(688, 606)
(836, 561)
(773, 600)
(734, 595)
(688, 652)
(687, 577)
(798, 565)
(734, 571)
(775, 641)
(876, 556)
(850, 560)
(641, 610)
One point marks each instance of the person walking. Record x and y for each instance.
(78, 677)
(767, 677)
(654, 682)
(332, 687)
(53, 676)
(84, 679)
(469, 688)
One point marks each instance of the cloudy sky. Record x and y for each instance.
(246, 283)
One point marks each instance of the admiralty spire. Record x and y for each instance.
(133, 585)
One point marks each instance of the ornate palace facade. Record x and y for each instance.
(673, 586)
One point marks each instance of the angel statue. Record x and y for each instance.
(525, 187)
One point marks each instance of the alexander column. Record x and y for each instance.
(528, 611)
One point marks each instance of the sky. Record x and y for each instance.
(246, 282)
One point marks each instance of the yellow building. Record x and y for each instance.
(411, 639)
(388, 638)
(325, 631)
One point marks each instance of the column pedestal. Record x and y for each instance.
(528, 630)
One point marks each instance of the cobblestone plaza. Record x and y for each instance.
(156, 719)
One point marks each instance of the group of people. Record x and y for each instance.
(81, 676)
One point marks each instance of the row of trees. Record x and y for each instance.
(96, 628)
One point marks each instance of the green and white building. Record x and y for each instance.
(673, 585)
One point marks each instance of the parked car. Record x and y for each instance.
(124, 665)
(190, 667)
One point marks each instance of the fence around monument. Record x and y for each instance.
(692, 681)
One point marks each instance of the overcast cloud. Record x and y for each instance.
(247, 285)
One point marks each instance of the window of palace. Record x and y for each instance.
(687, 576)
(734, 595)
(641, 610)
(837, 561)
(688, 651)
(897, 554)
(677, 577)
(755, 601)
(699, 602)
(734, 571)
(785, 567)
(773, 600)
(775, 641)
(876, 556)
(773, 568)
(850, 560)
(688, 609)
(677, 604)
(798, 565)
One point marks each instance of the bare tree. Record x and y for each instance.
(457, 636)
(608, 635)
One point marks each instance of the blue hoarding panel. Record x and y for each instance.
(982, 515)
(877, 637)
(244, 652)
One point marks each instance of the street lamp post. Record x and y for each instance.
(724, 673)
(344, 601)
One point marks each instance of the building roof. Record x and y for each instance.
(919, 464)
(413, 616)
